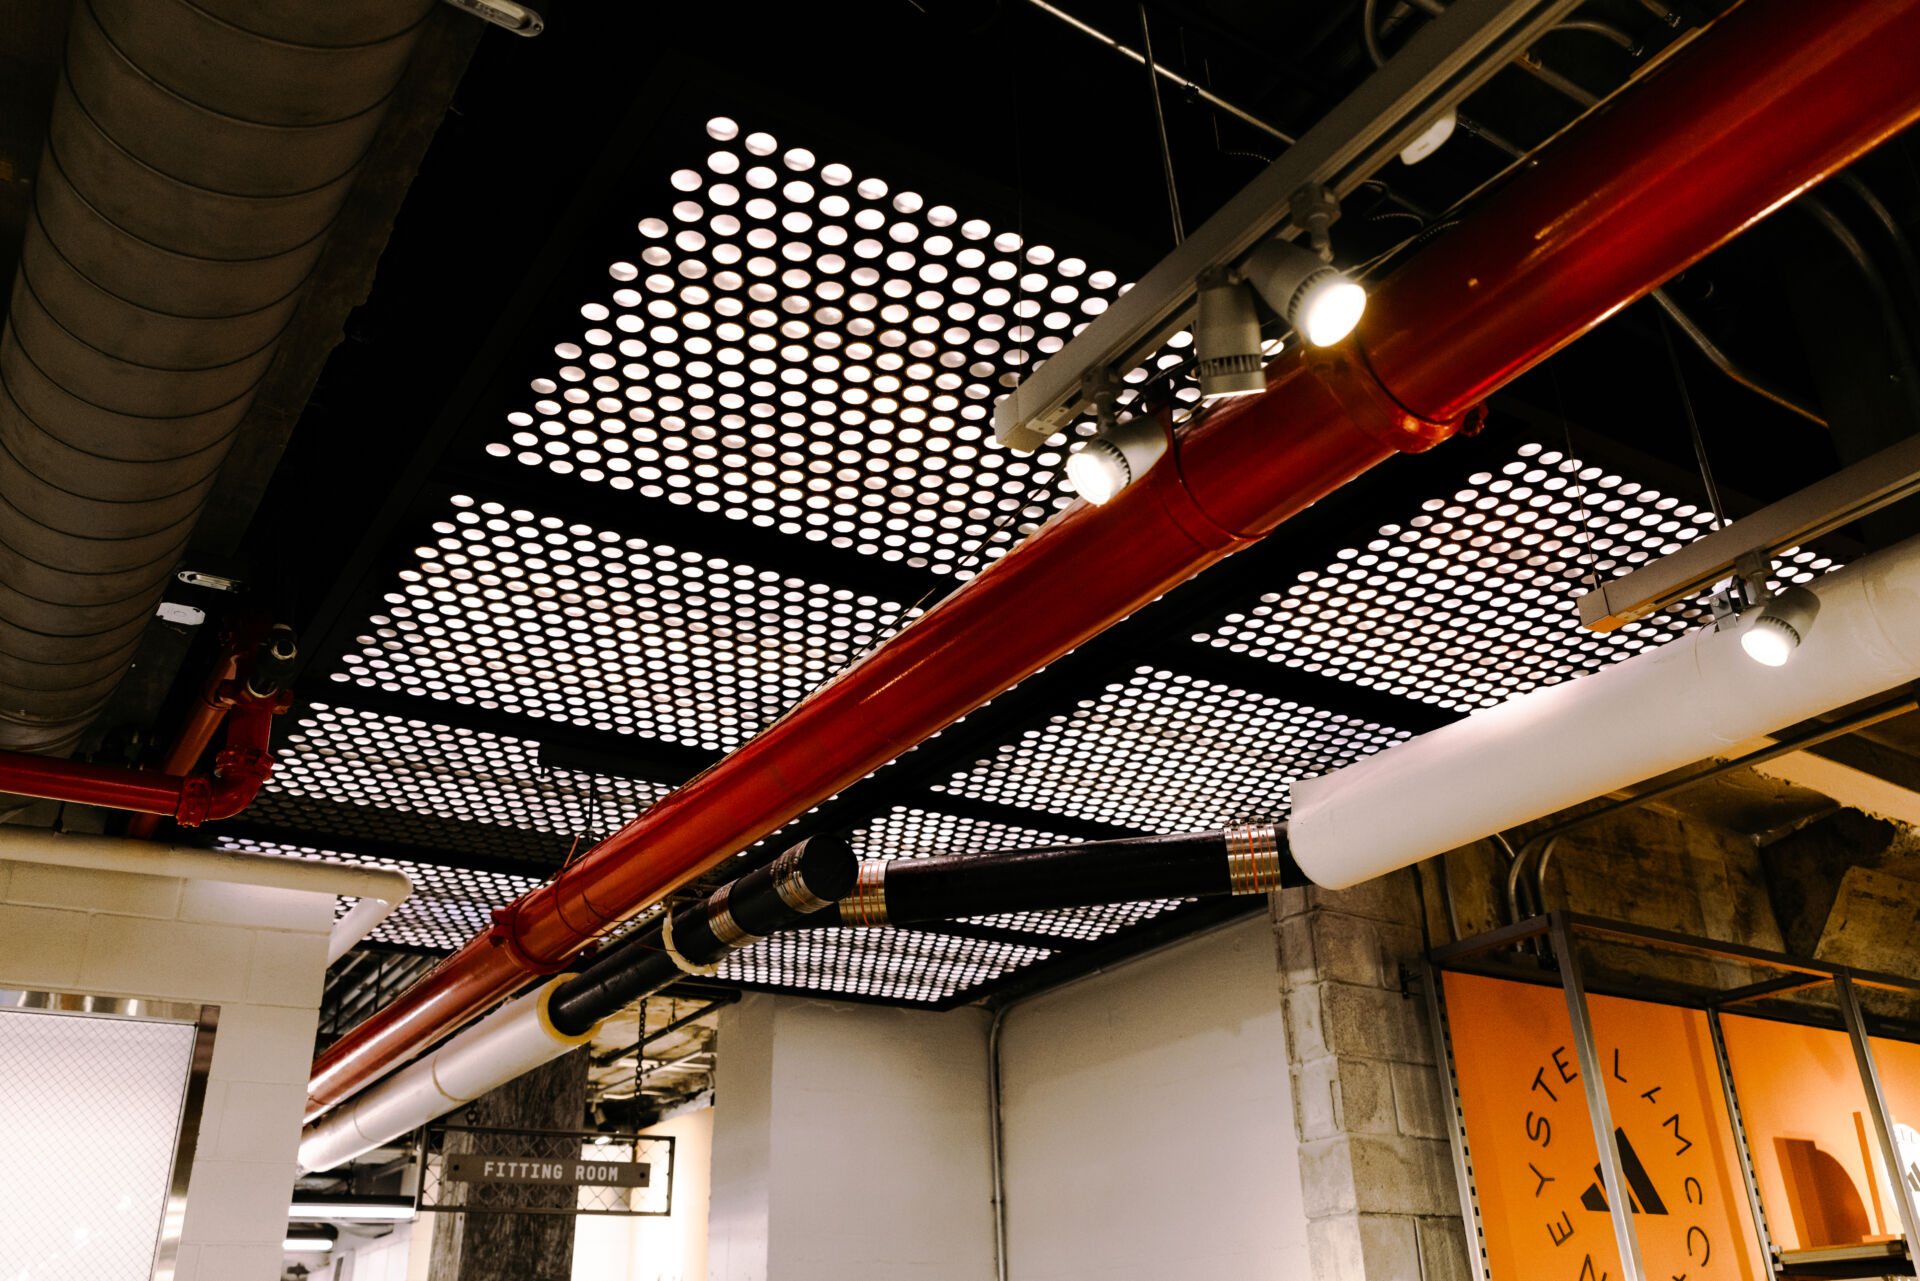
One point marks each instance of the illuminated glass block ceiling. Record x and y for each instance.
(816, 352)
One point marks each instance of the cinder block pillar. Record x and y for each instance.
(1374, 1164)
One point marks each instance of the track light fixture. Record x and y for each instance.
(1120, 454)
(1226, 338)
(1321, 304)
(1783, 622)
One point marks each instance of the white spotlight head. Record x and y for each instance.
(1783, 622)
(1121, 454)
(1316, 300)
(1431, 139)
(1226, 339)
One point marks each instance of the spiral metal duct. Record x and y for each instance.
(196, 157)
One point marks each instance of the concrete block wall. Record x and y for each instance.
(260, 955)
(1375, 1167)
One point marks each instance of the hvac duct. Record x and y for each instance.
(566, 1012)
(196, 156)
(1537, 754)
(797, 889)
(512, 1041)
(1773, 97)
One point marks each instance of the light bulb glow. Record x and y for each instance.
(397, 1208)
(307, 1244)
(1769, 642)
(1330, 310)
(1783, 623)
(1097, 471)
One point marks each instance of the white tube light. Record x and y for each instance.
(1783, 621)
(305, 1243)
(351, 1209)
(1695, 697)
(1322, 305)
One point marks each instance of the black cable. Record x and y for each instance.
(1160, 122)
(1693, 424)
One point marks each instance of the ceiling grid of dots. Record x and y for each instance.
(530, 614)
(1474, 599)
(906, 832)
(1163, 752)
(818, 354)
(303, 817)
(899, 965)
(413, 766)
(448, 905)
(1079, 924)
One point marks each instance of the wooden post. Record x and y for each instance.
(514, 1247)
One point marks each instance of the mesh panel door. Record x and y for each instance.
(89, 1116)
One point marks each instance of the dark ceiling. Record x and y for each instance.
(515, 638)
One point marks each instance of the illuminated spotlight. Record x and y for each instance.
(1322, 305)
(1226, 339)
(1783, 623)
(1123, 451)
(1430, 139)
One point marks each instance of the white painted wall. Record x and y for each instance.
(399, 1256)
(669, 1247)
(1148, 1121)
(851, 1144)
(741, 1185)
(260, 955)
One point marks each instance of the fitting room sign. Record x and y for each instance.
(478, 1167)
(1536, 1168)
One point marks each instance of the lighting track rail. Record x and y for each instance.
(1443, 63)
(1822, 507)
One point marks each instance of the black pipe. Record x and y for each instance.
(805, 879)
(1246, 859)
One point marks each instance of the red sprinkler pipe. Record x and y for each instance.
(239, 769)
(255, 658)
(1776, 96)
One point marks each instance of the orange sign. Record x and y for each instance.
(1816, 1155)
(1543, 1204)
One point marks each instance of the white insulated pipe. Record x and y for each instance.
(378, 890)
(1541, 752)
(510, 1042)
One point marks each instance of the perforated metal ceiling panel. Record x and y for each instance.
(907, 832)
(815, 353)
(447, 907)
(380, 762)
(1472, 599)
(553, 619)
(897, 965)
(1164, 752)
